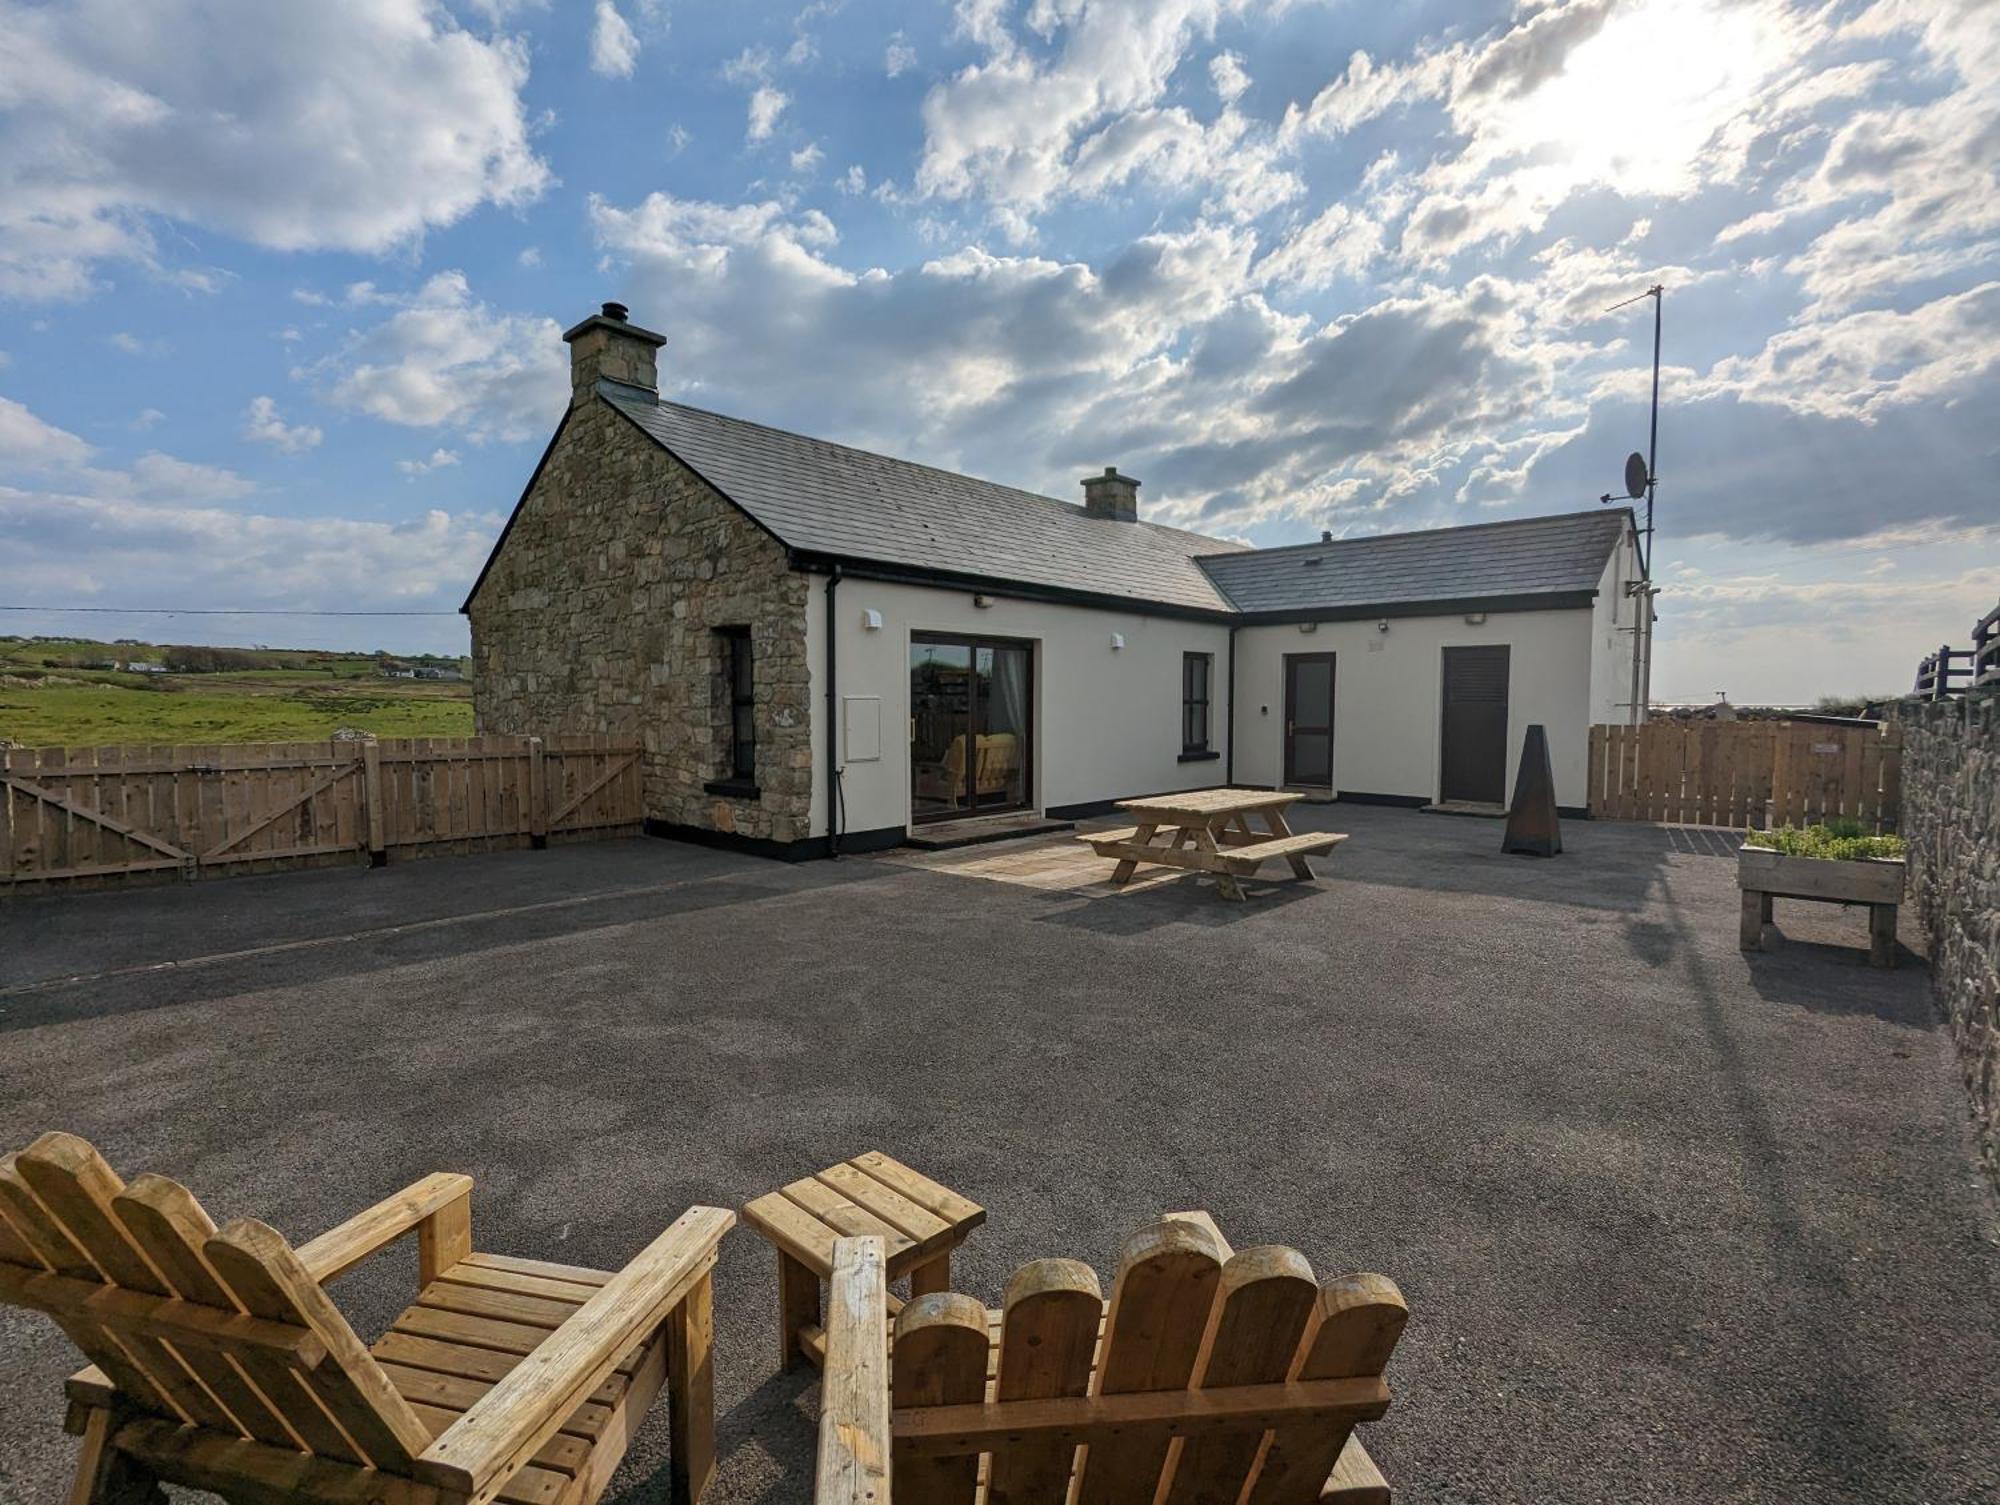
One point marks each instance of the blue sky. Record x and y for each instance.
(281, 286)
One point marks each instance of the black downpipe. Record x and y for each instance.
(1229, 732)
(832, 723)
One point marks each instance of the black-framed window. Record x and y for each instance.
(739, 693)
(1197, 676)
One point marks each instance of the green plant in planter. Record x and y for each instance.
(1836, 840)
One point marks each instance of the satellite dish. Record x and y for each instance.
(1635, 475)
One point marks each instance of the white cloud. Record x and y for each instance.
(854, 180)
(31, 446)
(1227, 73)
(614, 46)
(1859, 365)
(1340, 242)
(81, 548)
(445, 359)
(29, 443)
(1023, 128)
(806, 158)
(530, 258)
(352, 127)
(1031, 367)
(147, 418)
(262, 425)
(124, 340)
(899, 58)
(437, 459)
(766, 105)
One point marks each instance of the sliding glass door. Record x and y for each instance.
(971, 708)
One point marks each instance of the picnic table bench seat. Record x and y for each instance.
(1266, 848)
(1210, 831)
(219, 1362)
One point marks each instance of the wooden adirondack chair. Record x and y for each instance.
(219, 1363)
(1212, 1377)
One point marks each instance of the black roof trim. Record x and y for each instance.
(855, 568)
(1520, 601)
(1498, 522)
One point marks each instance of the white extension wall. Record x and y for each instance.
(1388, 696)
(1107, 722)
(1611, 622)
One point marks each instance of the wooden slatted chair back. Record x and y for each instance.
(222, 1328)
(1199, 1383)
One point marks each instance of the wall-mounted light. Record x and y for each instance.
(982, 601)
(1308, 627)
(1117, 641)
(1475, 619)
(1383, 625)
(871, 619)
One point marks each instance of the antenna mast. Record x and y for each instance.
(1658, 294)
(1642, 477)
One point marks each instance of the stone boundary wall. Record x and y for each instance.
(1951, 819)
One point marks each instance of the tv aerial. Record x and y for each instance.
(1641, 475)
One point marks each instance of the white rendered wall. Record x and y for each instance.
(1107, 722)
(1388, 699)
(1611, 639)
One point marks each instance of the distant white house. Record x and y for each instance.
(140, 666)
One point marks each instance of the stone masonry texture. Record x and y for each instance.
(602, 612)
(1951, 818)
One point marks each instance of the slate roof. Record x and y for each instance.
(829, 499)
(1529, 556)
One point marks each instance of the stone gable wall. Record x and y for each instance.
(599, 615)
(1951, 819)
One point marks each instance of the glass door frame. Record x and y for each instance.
(975, 641)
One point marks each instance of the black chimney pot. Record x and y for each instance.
(617, 311)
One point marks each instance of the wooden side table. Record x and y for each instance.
(918, 1221)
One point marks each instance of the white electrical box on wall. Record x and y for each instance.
(861, 728)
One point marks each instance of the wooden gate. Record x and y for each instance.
(1746, 773)
(80, 813)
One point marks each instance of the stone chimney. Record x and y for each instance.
(607, 345)
(1111, 495)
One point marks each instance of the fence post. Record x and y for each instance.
(538, 796)
(371, 789)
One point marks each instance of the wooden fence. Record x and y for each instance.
(1746, 773)
(100, 812)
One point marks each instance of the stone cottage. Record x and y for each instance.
(824, 648)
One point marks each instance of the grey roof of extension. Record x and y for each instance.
(848, 504)
(1561, 555)
(828, 499)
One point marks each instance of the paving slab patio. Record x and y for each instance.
(1674, 1223)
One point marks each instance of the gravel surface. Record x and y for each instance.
(1673, 1223)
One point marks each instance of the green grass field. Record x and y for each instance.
(47, 699)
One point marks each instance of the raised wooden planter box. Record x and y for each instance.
(1764, 875)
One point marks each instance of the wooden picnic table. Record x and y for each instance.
(1211, 831)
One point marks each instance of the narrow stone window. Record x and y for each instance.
(1196, 671)
(739, 696)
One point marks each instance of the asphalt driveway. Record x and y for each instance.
(1673, 1223)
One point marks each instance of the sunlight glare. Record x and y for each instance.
(1636, 104)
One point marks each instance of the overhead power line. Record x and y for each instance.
(223, 611)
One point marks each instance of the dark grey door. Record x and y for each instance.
(1475, 725)
(1309, 719)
